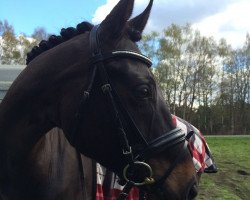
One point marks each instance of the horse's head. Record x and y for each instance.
(109, 101)
(125, 100)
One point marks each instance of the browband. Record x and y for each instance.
(122, 53)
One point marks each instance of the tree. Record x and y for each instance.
(13, 49)
(10, 53)
(203, 61)
(171, 64)
(203, 81)
(237, 77)
(186, 69)
(25, 45)
(149, 45)
(40, 34)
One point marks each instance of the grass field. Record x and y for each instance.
(232, 182)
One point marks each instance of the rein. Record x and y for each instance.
(135, 162)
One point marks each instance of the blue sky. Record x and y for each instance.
(218, 18)
(26, 15)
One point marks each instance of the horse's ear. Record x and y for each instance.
(137, 24)
(114, 24)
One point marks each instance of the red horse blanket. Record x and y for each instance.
(202, 159)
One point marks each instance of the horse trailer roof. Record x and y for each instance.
(8, 74)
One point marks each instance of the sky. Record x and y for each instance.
(218, 18)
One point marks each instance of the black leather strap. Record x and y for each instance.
(120, 54)
(168, 140)
(94, 41)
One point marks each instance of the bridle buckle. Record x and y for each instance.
(125, 152)
(106, 88)
(128, 174)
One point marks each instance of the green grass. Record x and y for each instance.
(232, 181)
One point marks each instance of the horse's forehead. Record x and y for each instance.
(123, 43)
(128, 44)
(130, 67)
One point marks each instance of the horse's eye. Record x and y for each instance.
(143, 92)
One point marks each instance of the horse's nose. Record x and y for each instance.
(193, 192)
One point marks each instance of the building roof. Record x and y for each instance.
(8, 74)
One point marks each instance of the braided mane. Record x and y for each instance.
(68, 33)
(54, 40)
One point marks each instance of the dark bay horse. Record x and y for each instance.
(98, 88)
(54, 170)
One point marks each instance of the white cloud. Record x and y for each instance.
(232, 23)
(102, 11)
(224, 18)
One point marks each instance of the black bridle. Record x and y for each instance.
(134, 160)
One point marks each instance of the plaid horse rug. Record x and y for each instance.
(201, 154)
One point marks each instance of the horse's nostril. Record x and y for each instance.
(193, 192)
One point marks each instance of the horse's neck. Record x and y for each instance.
(57, 168)
(19, 130)
(22, 124)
